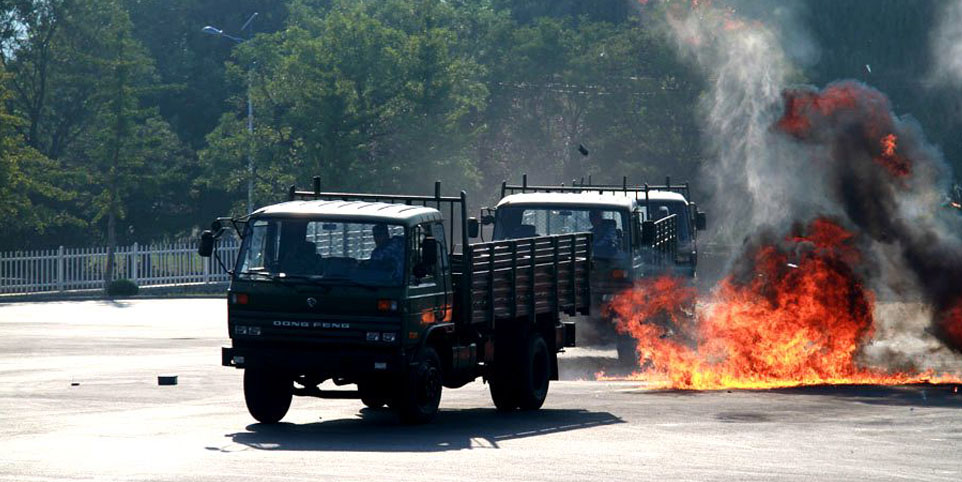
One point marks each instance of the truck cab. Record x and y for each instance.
(638, 231)
(614, 222)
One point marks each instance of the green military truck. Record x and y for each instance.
(385, 292)
(638, 231)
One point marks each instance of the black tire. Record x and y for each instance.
(371, 397)
(503, 379)
(419, 397)
(504, 391)
(268, 394)
(535, 373)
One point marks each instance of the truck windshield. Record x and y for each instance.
(609, 238)
(316, 249)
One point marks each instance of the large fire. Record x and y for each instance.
(797, 308)
(952, 323)
(809, 114)
(796, 314)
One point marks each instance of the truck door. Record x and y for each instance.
(426, 283)
(444, 266)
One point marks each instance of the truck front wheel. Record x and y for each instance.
(268, 394)
(371, 397)
(418, 399)
(535, 373)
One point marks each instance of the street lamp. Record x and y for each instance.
(248, 26)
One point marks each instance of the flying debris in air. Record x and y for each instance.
(582, 149)
(868, 68)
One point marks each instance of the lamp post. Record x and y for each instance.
(248, 26)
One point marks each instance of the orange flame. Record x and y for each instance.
(896, 164)
(799, 317)
(888, 145)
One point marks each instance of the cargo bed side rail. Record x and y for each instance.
(661, 248)
(525, 277)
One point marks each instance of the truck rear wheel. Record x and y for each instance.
(535, 373)
(267, 394)
(503, 391)
(420, 396)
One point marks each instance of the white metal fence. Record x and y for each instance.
(65, 269)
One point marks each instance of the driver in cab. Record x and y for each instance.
(604, 234)
(388, 251)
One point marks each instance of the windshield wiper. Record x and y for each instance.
(297, 277)
(262, 274)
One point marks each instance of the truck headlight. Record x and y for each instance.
(389, 337)
(373, 336)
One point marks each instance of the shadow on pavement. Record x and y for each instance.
(921, 395)
(379, 431)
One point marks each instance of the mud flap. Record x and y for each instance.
(565, 334)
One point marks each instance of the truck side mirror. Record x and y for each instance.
(647, 233)
(473, 227)
(701, 223)
(206, 246)
(487, 216)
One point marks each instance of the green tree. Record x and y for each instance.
(616, 88)
(359, 93)
(122, 136)
(191, 61)
(25, 183)
(79, 80)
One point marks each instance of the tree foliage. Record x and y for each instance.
(122, 121)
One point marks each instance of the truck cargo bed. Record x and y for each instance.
(505, 280)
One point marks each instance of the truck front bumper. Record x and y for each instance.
(329, 363)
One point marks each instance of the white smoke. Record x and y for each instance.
(750, 169)
(946, 46)
(761, 178)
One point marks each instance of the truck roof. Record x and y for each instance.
(609, 199)
(361, 211)
(653, 195)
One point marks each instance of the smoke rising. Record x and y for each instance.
(946, 45)
(783, 155)
(882, 173)
(747, 70)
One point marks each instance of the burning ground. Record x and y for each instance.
(794, 311)
(841, 199)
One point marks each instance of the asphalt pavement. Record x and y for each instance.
(79, 400)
